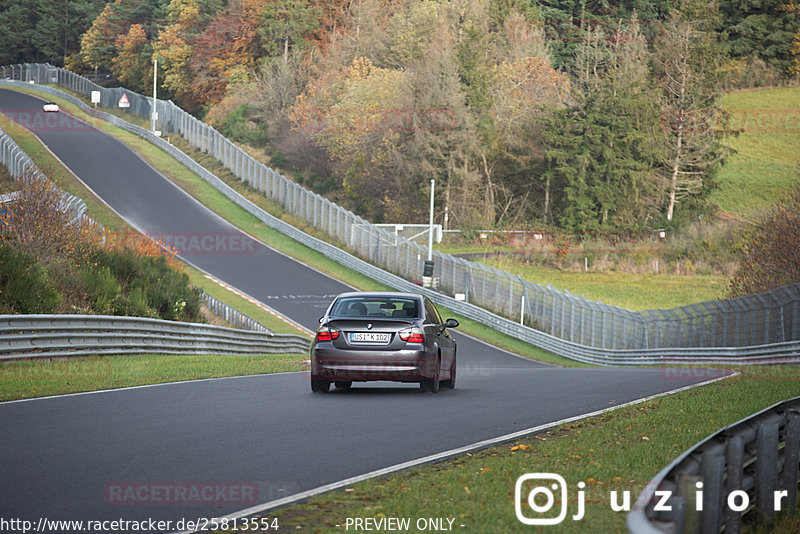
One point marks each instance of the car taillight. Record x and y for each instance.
(327, 334)
(412, 335)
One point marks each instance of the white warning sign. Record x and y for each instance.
(124, 102)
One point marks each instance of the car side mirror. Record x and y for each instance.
(450, 323)
(321, 319)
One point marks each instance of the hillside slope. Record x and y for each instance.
(767, 151)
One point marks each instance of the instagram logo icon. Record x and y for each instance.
(539, 491)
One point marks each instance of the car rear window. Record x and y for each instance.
(398, 307)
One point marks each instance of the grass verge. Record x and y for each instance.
(224, 207)
(617, 451)
(36, 378)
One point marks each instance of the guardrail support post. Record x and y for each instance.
(735, 455)
(687, 488)
(791, 457)
(712, 468)
(676, 516)
(678, 505)
(767, 471)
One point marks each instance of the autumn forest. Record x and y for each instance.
(579, 115)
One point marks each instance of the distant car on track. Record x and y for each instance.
(50, 107)
(366, 336)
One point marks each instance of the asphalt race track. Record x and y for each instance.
(127, 453)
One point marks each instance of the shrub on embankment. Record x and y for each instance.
(51, 264)
(772, 258)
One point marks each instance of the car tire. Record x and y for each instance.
(320, 386)
(343, 384)
(450, 383)
(431, 385)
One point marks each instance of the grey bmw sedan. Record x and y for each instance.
(367, 336)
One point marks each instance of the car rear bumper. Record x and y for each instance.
(362, 366)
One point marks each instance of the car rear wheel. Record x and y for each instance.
(321, 386)
(451, 382)
(343, 384)
(432, 384)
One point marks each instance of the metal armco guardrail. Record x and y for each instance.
(20, 165)
(761, 328)
(51, 336)
(730, 475)
(232, 315)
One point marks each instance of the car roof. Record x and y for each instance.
(394, 294)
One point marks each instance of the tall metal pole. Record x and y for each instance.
(430, 225)
(66, 27)
(154, 113)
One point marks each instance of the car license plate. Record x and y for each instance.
(369, 337)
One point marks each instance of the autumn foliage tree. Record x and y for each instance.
(355, 118)
(772, 258)
(524, 89)
(432, 92)
(132, 64)
(366, 101)
(120, 40)
(175, 48)
(98, 43)
(226, 50)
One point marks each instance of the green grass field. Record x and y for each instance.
(767, 151)
(628, 290)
